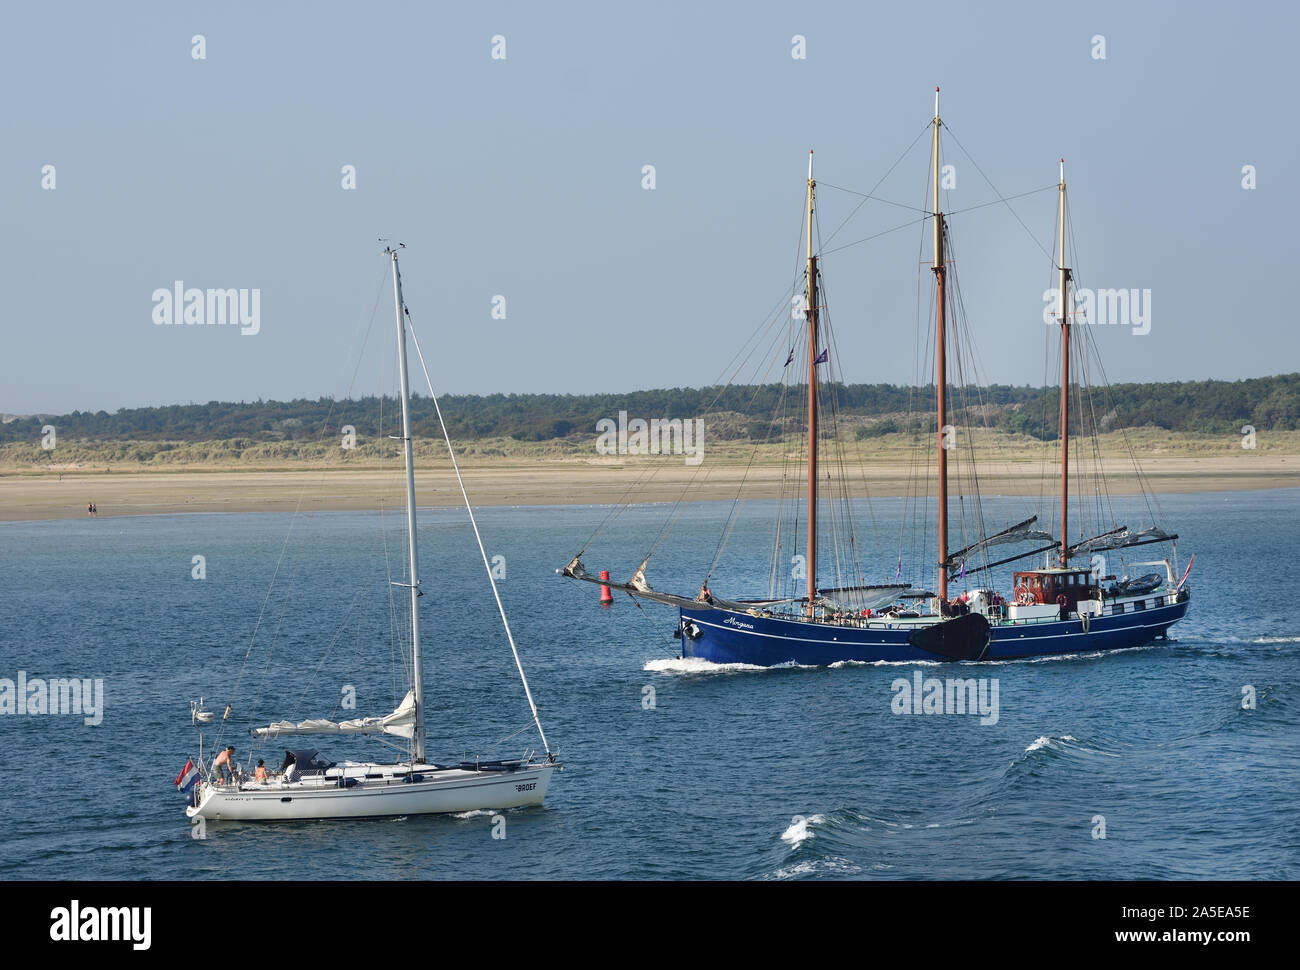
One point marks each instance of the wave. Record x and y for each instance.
(1235, 641)
(1066, 744)
(697, 665)
(799, 832)
(889, 663)
(830, 865)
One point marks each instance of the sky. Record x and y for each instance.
(523, 177)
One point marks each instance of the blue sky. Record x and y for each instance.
(523, 177)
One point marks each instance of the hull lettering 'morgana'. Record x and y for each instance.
(722, 636)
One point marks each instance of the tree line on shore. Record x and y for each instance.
(1209, 407)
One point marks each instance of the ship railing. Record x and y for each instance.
(1109, 608)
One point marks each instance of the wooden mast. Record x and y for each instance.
(941, 364)
(1065, 383)
(811, 291)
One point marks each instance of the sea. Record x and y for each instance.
(1176, 761)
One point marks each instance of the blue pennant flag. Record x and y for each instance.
(788, 359)
(823, 356)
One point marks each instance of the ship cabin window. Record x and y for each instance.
(1140, 605)
(1119, 607)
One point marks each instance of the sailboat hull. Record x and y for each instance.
(440, 792)
(723, 636)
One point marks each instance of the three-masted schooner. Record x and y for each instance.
(1062, 607)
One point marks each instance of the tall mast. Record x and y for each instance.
(941, 363)
(1065, 383)
(417, 739)
(811, 291)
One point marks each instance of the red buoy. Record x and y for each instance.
(606, 597)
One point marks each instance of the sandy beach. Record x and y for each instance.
(50, 495)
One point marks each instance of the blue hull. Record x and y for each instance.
(723, 636)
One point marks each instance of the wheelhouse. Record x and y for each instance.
(1044, 586)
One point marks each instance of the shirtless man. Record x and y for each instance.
(223, 765)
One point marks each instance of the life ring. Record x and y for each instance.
(1085, 618)
(1023, 596)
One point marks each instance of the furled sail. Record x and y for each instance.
(1020, 532)
(855, 599)
(1121, 538)
(400, 723)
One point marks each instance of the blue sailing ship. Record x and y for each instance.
(1069, 605)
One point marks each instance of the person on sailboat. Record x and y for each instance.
(259, 775)
(705, 596)
(223, 765)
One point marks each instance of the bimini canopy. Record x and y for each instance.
(400, 723)
(307, 760)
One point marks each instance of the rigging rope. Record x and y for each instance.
(478, 538)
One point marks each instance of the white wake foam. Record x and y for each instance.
(697, 665)
(1066, 742)
(798, 832)
(811, 867)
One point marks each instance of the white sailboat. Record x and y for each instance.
(311, 787)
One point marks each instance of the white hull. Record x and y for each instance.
(439, 791)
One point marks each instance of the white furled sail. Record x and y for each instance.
(1122, 538)
(1020, 532)
(400, 723)
(858, 598)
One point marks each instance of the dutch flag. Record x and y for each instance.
(188, 776)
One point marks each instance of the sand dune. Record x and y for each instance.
(47, 495)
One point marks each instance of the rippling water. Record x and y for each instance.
(733, 772)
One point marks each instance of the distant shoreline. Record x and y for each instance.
(29, 495)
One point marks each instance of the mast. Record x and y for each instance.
(417, 739)
(1065, 384)
(811, 291)
(941, 363)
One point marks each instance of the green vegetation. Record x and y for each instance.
(563, 425)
